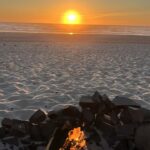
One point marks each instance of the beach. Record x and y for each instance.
(45, 71)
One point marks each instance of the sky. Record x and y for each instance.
(105, 12)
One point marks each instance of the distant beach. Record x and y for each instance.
(48, 70)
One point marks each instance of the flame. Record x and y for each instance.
(75, 140)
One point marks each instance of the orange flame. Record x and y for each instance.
(75, 140)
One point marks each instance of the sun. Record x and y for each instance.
(71, 17)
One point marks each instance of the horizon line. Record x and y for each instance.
(74, 24)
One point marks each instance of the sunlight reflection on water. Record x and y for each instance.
(71, 33)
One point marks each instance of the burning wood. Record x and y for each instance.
(75, 140)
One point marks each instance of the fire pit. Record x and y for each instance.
(99, 124)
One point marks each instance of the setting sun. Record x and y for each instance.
(71, 17)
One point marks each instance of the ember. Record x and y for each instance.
(75, 140)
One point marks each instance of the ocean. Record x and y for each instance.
(75, 29)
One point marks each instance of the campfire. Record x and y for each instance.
(75, 140)
(96, 124)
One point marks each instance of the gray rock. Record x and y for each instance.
(122, 145)
(46, 130)
(146, 114)
(71, 111)
(19, 128)
(2, 132)
(11, 141)
(35, 133)
(142, 137)
(97, 98)
(67, 113)
(38, 117)
(132, 115)
(87, 117)
(125, 131)
(7, 123)
(123, 101)
(87, 102)
(108, 103)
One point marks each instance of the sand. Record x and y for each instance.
(46, 71)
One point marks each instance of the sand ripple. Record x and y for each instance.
(43, 75)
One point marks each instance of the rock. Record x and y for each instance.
(88, 117)
(125, 131)
(142, 137)
(38, 117)
(73, 115)
(97, 98)
(2, 132)
(58, 117)
(52, 115)
(35, 133)
(7, 123)
(26, 140)
(87, 102)
(46, 130)
(110, 118)
(20, 128)
(122, 145)
(132, 115)
(96, 103)
(124, 102)
(146, 114)
(94, 137)
(15, 127)
(61, 112)
(11, 141)
(107, 118)
(108, 131)
(125, 116)
(109, 105)
(72, 111)
(101, 110)
(33, 146)
(114, 118)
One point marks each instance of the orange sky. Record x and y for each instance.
(119, 12)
